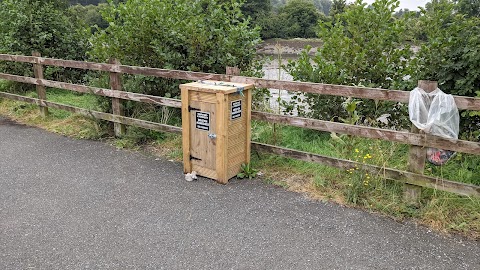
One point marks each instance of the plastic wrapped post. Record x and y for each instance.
(435, 113)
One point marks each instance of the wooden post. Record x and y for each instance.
(41, 91)
(233, 71)
(187, 165)
(117, 104)
(417, 154)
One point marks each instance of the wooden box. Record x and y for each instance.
(216, 128)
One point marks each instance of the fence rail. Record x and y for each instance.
(412, 138)
(463, 103)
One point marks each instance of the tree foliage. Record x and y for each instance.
(369, 46)
(204, 35)
(451, 51)
(256, 8)
(86, 2)
(362, 46)
(90, 15)
(297, 18)
(301, 18)
(338, 6)
(470, 8)
(42, 26)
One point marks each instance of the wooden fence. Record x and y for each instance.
(413, 178)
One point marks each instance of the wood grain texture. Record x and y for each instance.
(203, 97)
(248, 129)
(201, 146)
(372, 133)
(417, 154)
(205, 172)
(187, 165)
(95, 114)
(170, 102)
(41, 91)
(117, 104)
(222, 127)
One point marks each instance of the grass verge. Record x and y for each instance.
(439, 210)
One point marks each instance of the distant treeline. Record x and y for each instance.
(86, 2)
(90, 2)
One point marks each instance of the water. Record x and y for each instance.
(273, 70)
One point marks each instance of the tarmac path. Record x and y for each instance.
(79, 204)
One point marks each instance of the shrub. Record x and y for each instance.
(42, 26)
(363, 46)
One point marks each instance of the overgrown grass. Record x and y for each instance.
(439, 210)
(57, 121)
(81, 127)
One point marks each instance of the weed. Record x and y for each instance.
(247, 171)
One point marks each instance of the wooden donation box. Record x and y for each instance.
(216, 128)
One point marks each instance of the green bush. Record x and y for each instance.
(43, 26)
(363, 46)
(450, 53)
(205, 36)
(296, 19)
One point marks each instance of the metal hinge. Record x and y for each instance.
(194, 158)
(190, 108)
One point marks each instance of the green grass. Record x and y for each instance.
(57, 121)
(440, 210)
(85, 101)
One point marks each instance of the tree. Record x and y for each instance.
(203, 35)
(471, 8)
(323, 5)
(42, 26)
(451, 53)
(300, 18)
(86, 2)
(90, 15)
(256, 8)
(338, 6)
(294, 18)
(363, 46)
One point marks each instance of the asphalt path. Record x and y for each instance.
(79, 204)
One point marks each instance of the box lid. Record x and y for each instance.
(217, 86)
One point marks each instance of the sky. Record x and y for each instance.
(410, 4)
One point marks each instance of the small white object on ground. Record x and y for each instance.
(191, 176)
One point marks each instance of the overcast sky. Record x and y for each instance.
(410, 4)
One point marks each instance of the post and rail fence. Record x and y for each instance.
(413, 178)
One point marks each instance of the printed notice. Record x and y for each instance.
(236, 109)
(202, 120)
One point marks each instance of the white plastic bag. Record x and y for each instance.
(435, 113)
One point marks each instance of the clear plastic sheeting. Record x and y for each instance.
(435, 113)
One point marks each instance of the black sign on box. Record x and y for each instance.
(236, 109)
(202, 120)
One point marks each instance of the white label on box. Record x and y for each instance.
(202, 121)
(236, 109)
